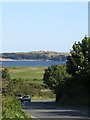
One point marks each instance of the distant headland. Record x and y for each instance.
(35, 55)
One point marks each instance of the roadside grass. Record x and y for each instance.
(11, 108)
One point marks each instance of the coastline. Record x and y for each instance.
(24, 62)
(2, 59)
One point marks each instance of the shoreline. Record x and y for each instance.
(32, 60)
(2, 59)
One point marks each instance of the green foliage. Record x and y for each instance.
(5, 74)
(71, 88)
(11, 108)
(26, 80)
(78, 64)
(15, 86)
(5, 79)
(54, 75)
(74, 93)
(75, 90)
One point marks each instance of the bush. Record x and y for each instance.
(11, 108)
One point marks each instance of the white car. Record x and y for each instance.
(26, 98)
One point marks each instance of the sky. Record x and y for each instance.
(43, 26)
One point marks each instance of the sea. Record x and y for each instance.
(29, 63)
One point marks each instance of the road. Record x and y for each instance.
(51, 110)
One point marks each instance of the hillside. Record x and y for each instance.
(36, 55)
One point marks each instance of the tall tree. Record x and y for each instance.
(5, 74)
(78, 64)
(54, 78)
(5, 80)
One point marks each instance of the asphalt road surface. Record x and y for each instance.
(49, 110)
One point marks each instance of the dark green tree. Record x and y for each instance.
(78, 64)
(54, 77)
(15, 86)
(5, 80)
(5, 74)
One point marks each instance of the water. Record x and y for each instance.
(30, 63)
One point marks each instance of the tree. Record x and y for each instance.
(5, 74)
(5, 80)
(15, 86)
(54, 77)
(78, 64)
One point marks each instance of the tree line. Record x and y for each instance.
(70, 82)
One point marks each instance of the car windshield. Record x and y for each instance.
(26, 96)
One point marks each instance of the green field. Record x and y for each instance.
(27, 73)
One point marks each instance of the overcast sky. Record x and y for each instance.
(43, 26)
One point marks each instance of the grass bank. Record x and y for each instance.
(11, 108)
